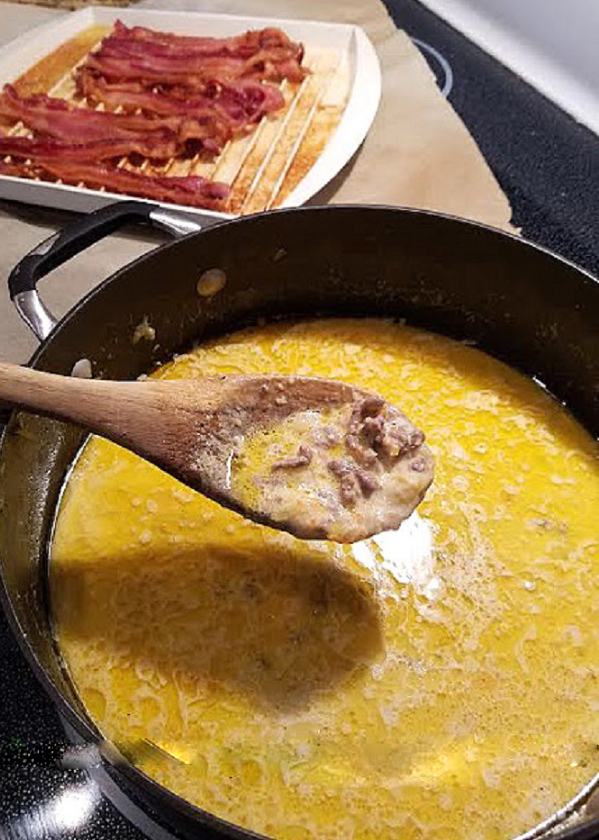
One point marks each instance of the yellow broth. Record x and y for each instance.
(439, 682)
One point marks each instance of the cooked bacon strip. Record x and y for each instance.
(238, 105)
(8, 167)
(231, 93)
(239, 45)
(190, 190)
(154, 57)
(163, 54)
(56, 118)
(124, 69)
(121, 64)
(52, 149)
(160, 58)
(272, 63)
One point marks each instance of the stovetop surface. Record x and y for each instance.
(545, 162)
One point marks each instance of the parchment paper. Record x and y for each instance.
(418, 154)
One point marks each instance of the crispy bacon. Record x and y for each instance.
(190, 190)
(238, 105)
(239, 45)
(52, 149)
(56, 118)
(166, 55)
(121, 64)
(272, 43)
(160, 58)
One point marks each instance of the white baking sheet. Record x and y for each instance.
(351, 41)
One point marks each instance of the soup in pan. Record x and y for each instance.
(438, 682)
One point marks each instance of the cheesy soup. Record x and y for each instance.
(440, 682)
(342, 473)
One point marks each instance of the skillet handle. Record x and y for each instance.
(73, 239)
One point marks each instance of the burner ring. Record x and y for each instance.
(439, 65)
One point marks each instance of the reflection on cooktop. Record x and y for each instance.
(42, 797)
(50, 788)
(66, 810)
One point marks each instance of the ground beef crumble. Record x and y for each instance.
(302, 459)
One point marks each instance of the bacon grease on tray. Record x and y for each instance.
(342, 473)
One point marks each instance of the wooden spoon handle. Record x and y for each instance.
(43, 393)
(107, 408)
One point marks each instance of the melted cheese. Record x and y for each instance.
(439, 682)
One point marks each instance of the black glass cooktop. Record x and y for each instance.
(545, 162)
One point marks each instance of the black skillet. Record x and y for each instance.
(515, 300)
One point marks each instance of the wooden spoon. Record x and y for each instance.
(193, 430)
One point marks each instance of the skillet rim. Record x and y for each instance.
(85, 728)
